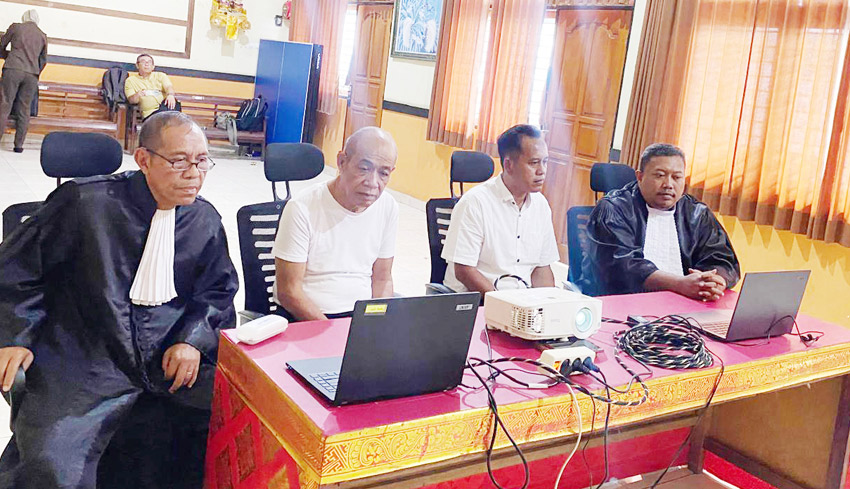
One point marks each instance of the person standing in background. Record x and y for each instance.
(19, 82)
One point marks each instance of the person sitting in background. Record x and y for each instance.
(650, 235)
(336, 242)
(112, 297)
(504, 226)
(149, 88)
(23, 65)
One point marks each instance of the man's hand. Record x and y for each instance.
(11, 359)
(704, 286)
(170, 101)
(181, 362)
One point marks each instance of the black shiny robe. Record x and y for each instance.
(65, 277)
(614, 261)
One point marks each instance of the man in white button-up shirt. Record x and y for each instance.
(504, 226)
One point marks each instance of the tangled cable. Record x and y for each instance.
(667, 342)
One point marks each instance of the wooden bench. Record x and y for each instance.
(74, 108)
(204, 109)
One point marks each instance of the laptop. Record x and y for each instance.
(767, 306)
(397, 347)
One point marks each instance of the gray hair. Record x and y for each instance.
(30, 16)
(150, 136)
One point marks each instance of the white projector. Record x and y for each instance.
(543, 313)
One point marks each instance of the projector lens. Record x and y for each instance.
(584, 319)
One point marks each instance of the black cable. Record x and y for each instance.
(669, 342)
(497, 422)
(556, 375)
(605, 434)
(587, 442)
(698, 422)
(509, 275)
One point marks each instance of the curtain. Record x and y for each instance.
(658, 77)
(748, 90)
(514, 38)
(831, 210)
(451, 117)
(321, 22)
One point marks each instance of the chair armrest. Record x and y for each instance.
(246, 315)
(13, 397)
(435, 289)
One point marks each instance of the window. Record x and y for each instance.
(346, 53)
(541, 70)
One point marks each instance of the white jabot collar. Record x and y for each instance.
(154, 281)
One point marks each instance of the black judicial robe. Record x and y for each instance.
(614, 261)
(65, 277)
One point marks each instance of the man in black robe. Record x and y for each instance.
(112, 297)
(650, 236)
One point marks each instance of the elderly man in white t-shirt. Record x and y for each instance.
(504, 226)
(336, 242)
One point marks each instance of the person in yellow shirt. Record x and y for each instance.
(149, 88)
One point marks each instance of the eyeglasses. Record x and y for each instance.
(204, 163)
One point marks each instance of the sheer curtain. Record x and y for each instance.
(749, 90)
(485, 69)
(451, 118)
(514, 36)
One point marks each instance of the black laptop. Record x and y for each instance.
(767, 306)
(397, 347)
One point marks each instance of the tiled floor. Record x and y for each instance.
(232, 184)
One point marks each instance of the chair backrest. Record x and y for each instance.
(605, 177)
(16, 214)
(75, 155)
(469, 167)
(257, 226)
(577, 218)
(290, 162)
(438, 214)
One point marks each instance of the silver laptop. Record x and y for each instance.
(767, 306)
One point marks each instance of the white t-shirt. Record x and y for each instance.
(661, 245)
(490, 232)
(339, 246)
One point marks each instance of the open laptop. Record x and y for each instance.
(767, 306)
(397, 347)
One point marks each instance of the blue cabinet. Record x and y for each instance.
(288, 79)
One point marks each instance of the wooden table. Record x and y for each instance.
(780, 412)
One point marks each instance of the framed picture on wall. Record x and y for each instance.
(416, 29)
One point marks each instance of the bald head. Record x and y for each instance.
(365, 165)
(370, 139)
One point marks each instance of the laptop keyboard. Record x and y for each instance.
(718, 328)
(328, 380)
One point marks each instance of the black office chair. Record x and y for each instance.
(605, 177)
(257, 223)
(466, 167)
(577, 218)
(63, 155)
(68, 155)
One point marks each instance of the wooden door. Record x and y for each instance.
(369, 67)
(581, 105)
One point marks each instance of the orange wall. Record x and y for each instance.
(762, 248)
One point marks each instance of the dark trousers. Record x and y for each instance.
(280, 311)
(17, 89)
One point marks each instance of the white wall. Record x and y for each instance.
(409, 82)
(210, 51)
